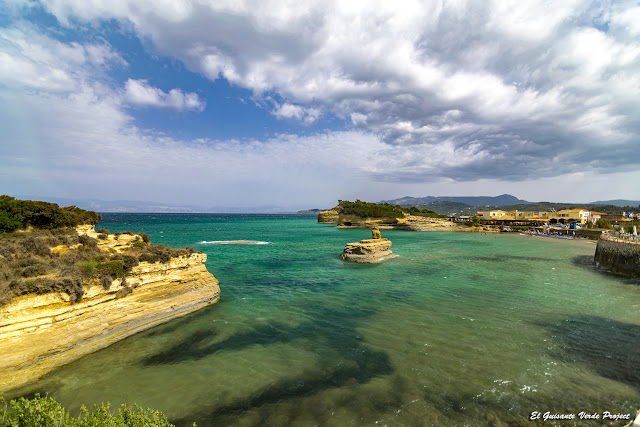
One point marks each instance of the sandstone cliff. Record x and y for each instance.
(41, 332)
(350, 220)
(328, 217)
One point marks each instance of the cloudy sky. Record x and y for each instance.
(298, 104)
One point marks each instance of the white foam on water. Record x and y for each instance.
(234, 242)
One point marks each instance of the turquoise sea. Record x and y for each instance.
(460, 329)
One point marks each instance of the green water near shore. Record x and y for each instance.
(459, 326)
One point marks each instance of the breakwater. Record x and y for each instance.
(620, 256)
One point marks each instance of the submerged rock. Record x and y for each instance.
(369, 251)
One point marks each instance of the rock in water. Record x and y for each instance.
(369, 250)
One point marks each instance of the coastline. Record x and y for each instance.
(42, 331)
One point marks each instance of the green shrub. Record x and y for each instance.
(129, 261)
(114, 268)
(46, 412)
(145, 237)
(138, 244)
(369, 210)
(88, 268)
(15, 214)
(102, 231)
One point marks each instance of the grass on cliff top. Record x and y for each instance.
(29, 266)
(379, 210)
(46, 412)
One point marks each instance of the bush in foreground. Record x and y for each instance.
(46, 412)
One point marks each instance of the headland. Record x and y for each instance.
(71, 291)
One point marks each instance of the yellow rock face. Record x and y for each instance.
(328, 217)
(368, 251)
(41, 332)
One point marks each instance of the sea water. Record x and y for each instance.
(460, 329)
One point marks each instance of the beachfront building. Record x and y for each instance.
(563, 216)
(492, 215)
(571, 215)
(616, 218)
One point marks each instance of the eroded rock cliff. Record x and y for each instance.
(328, 217)
(41, 332)
(369, 251)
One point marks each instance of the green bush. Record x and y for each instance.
(603, 223)
(15, 214)
(370, 210)
(46, 412)
(88, 268)
(114, 268)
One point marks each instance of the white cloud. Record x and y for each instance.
(291, 111)
(455, 91)
(141, 93)
(32, 60)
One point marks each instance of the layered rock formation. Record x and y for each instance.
(41, 332)
(369, 251)
(355, 221)
(328, 217)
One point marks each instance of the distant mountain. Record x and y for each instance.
(444, 207)
(618, 202)
(503, 200)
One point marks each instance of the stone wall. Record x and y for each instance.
(618, 256)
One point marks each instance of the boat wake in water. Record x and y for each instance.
(234, 242)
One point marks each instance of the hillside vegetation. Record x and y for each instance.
(49, 257)
(18, 214)
(46, 412)
(379, 210)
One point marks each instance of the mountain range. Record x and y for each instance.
(502, 200)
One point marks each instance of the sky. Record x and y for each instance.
(297, 104)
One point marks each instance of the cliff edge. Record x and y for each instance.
(39, 332)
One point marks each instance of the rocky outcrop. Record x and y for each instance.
(369, 251)
(355, 221)
(328, 217)
(41, 332)
(619, 256)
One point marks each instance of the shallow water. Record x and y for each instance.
(459, 327)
